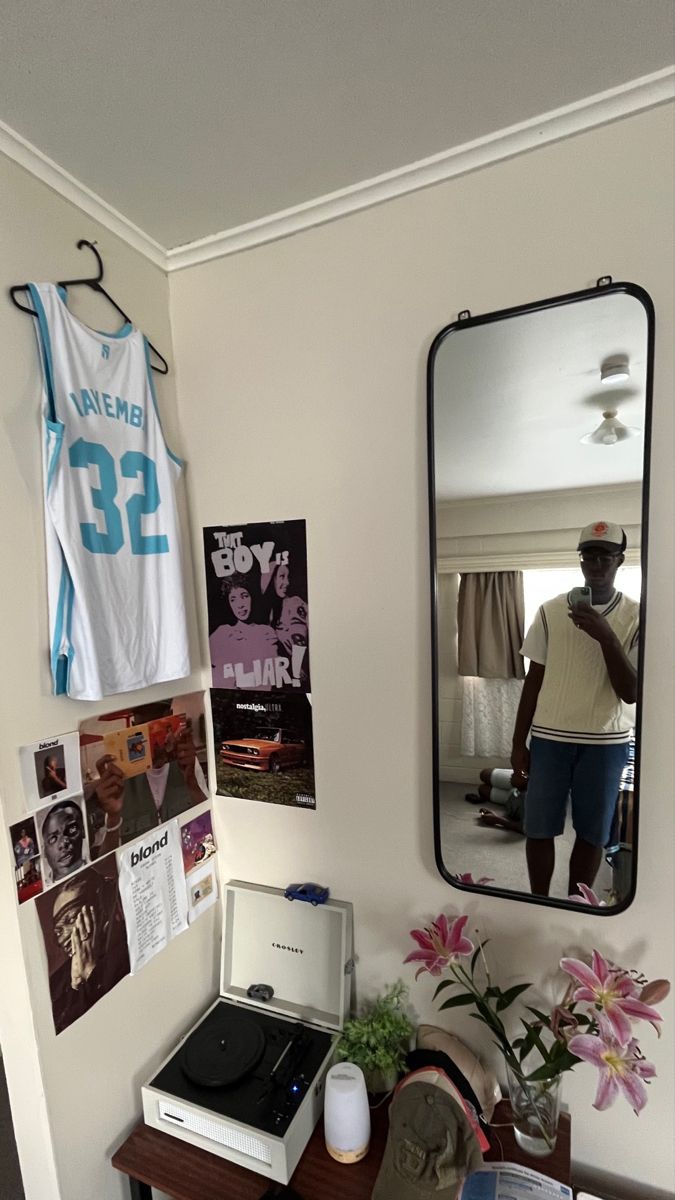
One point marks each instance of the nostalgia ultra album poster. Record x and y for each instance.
(264, 748)
(256, 587)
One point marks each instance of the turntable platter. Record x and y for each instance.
(222, 1054)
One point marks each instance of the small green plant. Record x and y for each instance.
(379, 1039)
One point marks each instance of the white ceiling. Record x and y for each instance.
(194, 118)
(517, 395)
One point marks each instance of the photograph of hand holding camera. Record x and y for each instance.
(141, 768)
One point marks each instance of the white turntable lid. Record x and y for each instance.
(303, 951)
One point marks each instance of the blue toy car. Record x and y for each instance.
(315, 893)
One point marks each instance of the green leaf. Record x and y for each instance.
(476, 954)
(541, 1016)
(445, 983)
(567, 1060)
(528, 1041)
(546, 1071)
(510, 995)
(455, 1001)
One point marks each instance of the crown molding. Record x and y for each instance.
(519, 560)
(625, 100)
(633, 97)
(608, 491)
(14, 146)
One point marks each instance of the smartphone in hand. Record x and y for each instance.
(579, 595)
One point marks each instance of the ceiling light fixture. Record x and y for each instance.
(615, 371)
(610, 431)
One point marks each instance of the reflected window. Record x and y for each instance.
(539, 585)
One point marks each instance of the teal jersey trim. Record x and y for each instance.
(57, 634)
(57, 429)
(46, 345)
(151, 384)
(69, 625)
(61, 676)
(61, 662)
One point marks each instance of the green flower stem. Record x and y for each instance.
(483, 1004)
(491, 1019)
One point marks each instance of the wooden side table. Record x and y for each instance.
(153, 1159)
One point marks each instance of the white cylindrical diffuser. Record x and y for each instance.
(346, 1116)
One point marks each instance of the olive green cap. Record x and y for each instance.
(430, 1148)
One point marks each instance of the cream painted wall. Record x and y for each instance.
(301, 369)
(73, 1097)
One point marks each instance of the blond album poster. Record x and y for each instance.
(51, 767)
(256, 588)
(152, 887)
(142, 766)
(85, 940)
(264, 748)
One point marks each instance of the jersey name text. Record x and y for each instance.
(103, 405)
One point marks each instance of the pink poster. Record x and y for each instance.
(256, 585)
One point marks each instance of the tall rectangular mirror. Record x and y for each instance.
(539, 420)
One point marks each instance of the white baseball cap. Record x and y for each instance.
(603, 532)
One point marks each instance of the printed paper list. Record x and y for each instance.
(152, 887)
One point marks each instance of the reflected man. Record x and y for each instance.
(582, 677)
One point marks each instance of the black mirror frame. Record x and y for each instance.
(466, 321)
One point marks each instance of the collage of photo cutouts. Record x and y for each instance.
(261, 705)
(105, 849)
(127, 775)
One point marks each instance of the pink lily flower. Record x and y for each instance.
(655, 992)
(622, 1069)
(611, 990)
(440, 944)
(588, 896)
(467, 877)
(563, 1023)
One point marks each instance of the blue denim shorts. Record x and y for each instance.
(590, 776)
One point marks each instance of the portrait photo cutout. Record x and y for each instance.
(85, 940)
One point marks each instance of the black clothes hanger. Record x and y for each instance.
(95, 283)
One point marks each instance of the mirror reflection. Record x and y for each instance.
(538, 421)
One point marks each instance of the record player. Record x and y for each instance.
(247, 1080)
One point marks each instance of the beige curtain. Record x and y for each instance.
(491, 624)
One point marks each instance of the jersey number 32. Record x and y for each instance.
(132, 464)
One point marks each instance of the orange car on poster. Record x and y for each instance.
(267, 750)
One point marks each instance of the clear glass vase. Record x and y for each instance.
(536, 1111)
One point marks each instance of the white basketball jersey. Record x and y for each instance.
(114, 576)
